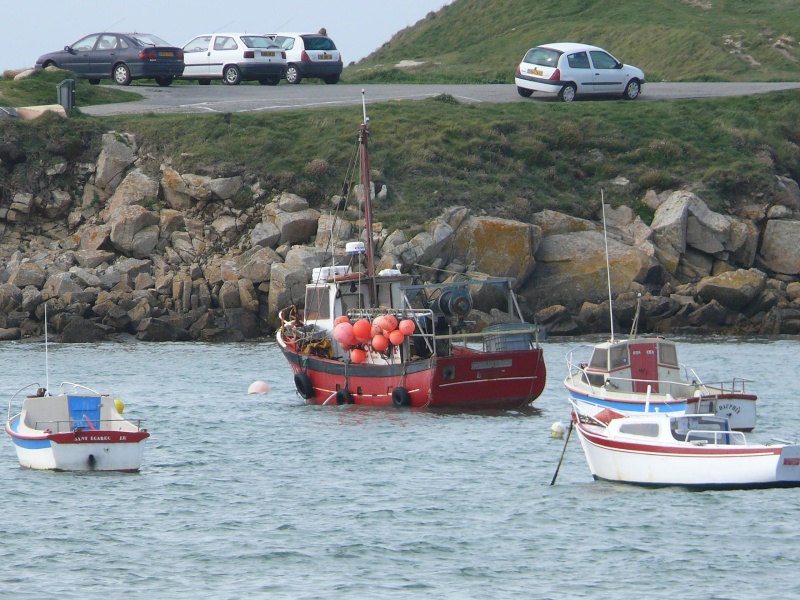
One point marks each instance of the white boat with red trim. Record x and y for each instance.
(642, 374)
(376, 339)
(78, 429)
(694, 451)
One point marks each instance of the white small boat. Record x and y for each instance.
(642, 374)
(694, 451)
(78, 431)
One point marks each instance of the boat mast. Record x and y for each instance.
(608, 266)
(363, 136)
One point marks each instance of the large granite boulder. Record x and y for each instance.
(571, 269)
(734, 289)
(498, 247)
(118, 153)
(780, 250)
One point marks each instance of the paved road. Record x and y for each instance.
(254, 98)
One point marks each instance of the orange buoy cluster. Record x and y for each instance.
(378, 334)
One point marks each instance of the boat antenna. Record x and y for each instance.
(635, 324)
(608, 266)
(363, 136)
(46, 358)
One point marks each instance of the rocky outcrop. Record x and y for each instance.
(131, 245)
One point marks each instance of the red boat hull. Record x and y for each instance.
(466, 380)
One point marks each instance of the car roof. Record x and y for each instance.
(294, 34)
(569, 46)
(231, 34)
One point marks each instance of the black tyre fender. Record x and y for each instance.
(303, 384)
(343, 396)
(293, 75)
(632, 90)
(121, 74)
(567, 93)
(401, 397)
(524, 92)
(231, 75)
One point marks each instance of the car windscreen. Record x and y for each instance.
(146, 39)
(258, 41)
(544, 57)
(318, 42)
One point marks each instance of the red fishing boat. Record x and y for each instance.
(378, 339)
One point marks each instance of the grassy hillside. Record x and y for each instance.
(503, 159)
(671, 40)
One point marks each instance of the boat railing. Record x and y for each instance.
(737, 385)
(66, 386)
(17, 393)
(67, 425)
(702, 437)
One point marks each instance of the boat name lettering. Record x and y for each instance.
(93, 438)
(731, 407)
(792, 462)
(492, 364)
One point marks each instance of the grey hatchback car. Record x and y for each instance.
(122, 57)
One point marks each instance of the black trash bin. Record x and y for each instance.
(66, 94)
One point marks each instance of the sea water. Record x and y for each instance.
(262, 496)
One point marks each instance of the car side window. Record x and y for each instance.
(287, 43)
(122, 44)
(223, 42)
(86, 43)
(601, 60)
(107, 42)
(579, 60)
(198, 44)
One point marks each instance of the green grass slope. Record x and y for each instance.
(482, 41)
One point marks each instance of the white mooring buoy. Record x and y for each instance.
(258, 387)
(557, 430)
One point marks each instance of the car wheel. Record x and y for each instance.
(331, 79)
(524, 92)
(632, 90)
(122, 74)
(94, 82)
(293, 75)
(271, 80)
(164, 81)
(231, 75)
(567, 93)
(49, 63)
(204, 81)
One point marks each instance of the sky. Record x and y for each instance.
(357, 26)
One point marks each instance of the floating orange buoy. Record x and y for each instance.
(341, 319)
(362, 330)
(389, 323)
(380, 343)
(396, 337)
(406, 326)
(358, 356)
(343, 333)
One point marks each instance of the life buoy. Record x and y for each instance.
(303, 384)
(343, 396)
(401, 397)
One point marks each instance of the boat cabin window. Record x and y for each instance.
(643, 429)
(668, 354)
(618, 356)
(700, 428)
(599, 359)
(318, 304)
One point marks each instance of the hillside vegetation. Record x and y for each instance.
(477, 41)
(504, 159)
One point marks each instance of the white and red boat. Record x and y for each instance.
(694, 451)
(76, 430)
(379, 340)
